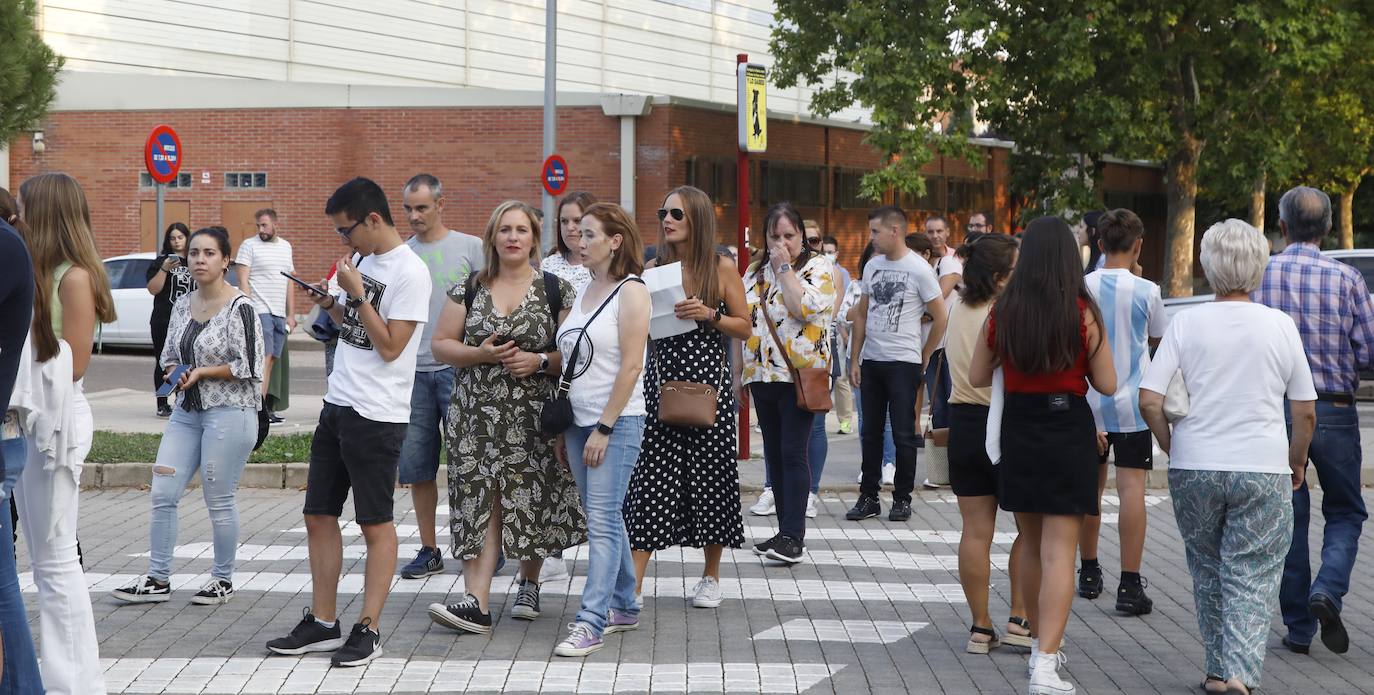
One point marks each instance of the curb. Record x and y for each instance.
(292, 476)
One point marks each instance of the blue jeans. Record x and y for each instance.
(816, 452)
(1335, 453)
(429, 399)
(610, 567)
(21, 662)
(889, 449)
(938, 389)
(217, 443)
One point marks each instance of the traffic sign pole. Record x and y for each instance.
(161, 230)
(742, 243)
(550, 118)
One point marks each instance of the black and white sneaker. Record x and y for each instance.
(145, 589)
(901, 511)
(866, 508)
(466, 615)
(526, 601)
(761, 549)
(308, 636)
(787, 549)
(363, 645)
(216, 592)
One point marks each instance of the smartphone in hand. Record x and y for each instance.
(304, 285)
(171, 384)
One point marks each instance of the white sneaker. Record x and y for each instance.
(889, 473)
(859, 478)
(1045, 678)
(765, 506)
(930, 486)
(812, 504)
(1034, 656)
(707, 593)
(554, 569)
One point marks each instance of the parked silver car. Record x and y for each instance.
(1360, 259)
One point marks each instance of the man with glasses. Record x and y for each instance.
(262, 259)
(978, 222)
(381, 301)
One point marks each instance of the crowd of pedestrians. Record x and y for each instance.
(565, 422)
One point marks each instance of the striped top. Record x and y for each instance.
(1133, 312)
(266, 261)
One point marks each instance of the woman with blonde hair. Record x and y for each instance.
(685, 490)
(71, 295)
(507, 493)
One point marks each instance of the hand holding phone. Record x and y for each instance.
(172, 379)
(304, 285)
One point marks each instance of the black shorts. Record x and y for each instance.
(351, 451)
(971, 474)
(1131, 449)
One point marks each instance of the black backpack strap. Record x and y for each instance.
(554, 294)
(469, 287)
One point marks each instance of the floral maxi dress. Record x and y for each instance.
(494, 442)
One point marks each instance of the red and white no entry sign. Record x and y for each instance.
(162, 154)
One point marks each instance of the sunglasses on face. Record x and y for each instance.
(346, 233)
(813, 241)
(677, 214)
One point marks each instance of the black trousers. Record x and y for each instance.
(159, 330)
(786, 443)
(889, 388)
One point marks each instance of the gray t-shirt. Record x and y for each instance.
(897, 295)
(449, 260)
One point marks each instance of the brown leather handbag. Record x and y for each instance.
(812, 383)
(687, 404)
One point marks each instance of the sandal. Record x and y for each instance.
(1213, 678)
(1016, 639)
(976, 647)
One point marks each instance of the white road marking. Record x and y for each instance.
(850, 631)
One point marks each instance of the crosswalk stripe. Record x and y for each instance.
(284, 674)
(848, 631)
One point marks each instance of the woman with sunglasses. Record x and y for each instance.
(168, 279)
(798, 301)
(685, 490)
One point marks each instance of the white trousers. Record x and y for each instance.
(69, 653)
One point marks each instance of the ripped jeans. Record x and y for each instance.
(216, 442)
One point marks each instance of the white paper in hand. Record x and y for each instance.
(993, 443)
(665, 290)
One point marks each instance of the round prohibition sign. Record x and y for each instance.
(162, 154)
(554, 175)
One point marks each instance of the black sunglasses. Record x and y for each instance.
(677, 214)
(813, 241)
(346, 233)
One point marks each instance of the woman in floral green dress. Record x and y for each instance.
(507, 493)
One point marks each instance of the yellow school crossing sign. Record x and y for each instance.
(753, 107)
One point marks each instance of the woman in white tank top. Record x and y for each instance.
(604, 336)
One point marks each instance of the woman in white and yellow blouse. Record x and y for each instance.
(793, 287)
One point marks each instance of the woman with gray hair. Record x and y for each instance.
(1232, 466)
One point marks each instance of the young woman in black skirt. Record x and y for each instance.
(1045, 332)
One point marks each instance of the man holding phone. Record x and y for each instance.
(262, 259)
(381, 304)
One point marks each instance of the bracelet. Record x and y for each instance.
(332, 302)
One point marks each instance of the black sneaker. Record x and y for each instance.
(466, 615)
(217, 591)
(1334, 635)
(761, 549)
(866, 508)
(1131, 598)
(1090, 582)
(145, 589)
(901, 511)
(164, 410)
(427, 562)
(274, 418)
(363, 645)
(308, 636)
(526, 601)
(787, 549)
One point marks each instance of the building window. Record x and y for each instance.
(799, 184)
(245, 179)
(933, 200)
(969, 195)
(716, 177)
(847, 190)
(181, 181)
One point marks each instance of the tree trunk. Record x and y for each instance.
(1257, 202)
(1347, 216)
(1180, 176)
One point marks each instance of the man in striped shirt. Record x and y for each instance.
(262, 259)
(1335, 316)
(1133, 316)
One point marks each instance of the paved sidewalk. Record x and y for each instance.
(876, 609)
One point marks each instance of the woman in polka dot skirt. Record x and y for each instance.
(685, 489)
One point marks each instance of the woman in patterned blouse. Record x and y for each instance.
(215, 332)
(793, 288)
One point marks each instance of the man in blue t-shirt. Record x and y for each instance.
(1133, 316)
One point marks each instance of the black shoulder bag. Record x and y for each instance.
(557, 415)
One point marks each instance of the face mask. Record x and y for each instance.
(833, 257)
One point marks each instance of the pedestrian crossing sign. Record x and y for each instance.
(753, 107)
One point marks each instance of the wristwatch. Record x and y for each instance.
(353, 302)
(604, 428)
(543, 362)
(785, 267)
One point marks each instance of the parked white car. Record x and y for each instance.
(133, 304)
(1360, 259)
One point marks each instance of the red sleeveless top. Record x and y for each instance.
(1073, 380)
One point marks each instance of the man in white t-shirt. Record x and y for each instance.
(261, 260)
(450, 256)
(898, 289)
(1133, 317)
(380, 306)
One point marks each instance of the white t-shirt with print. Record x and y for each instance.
(1239, 361)
(397, 285)
(898, 292)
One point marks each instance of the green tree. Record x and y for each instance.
(28, 69)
